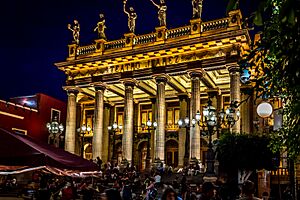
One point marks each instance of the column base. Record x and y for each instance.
(186, 162)
(148, 164)
(124, 164)
(194, 161)
(113, 161)
(158, 163)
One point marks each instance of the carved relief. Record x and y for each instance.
(153, 63)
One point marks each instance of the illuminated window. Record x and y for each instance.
(55, 114)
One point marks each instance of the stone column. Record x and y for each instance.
(79, 120)
(246, 111)
(98, 121)
(127, 138)
(182, 131)
(71, 121)
(161, 118)
(235, 92)
(195, 138)
(112, 119)
(152, 142)
(136, 115)
(105, 146)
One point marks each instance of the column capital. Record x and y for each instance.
(247, 89)
(161, 78)
(234, 67)
(129, 82)
(196, 73)
(71, 90)
(99, 86)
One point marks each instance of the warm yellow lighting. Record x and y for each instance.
(264, 109)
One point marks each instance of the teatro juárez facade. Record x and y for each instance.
(163, 77)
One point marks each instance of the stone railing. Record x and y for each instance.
(86, 50)
(143, 39)
(114, 44)
(178, 32)
(280, 172)
(172, 127)
(161, 35)
(214, 25)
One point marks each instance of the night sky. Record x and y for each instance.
(34, 35)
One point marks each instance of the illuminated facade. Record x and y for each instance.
(162, 76)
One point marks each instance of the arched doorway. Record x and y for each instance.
(88, 151)
(172, 153)
(142, 152)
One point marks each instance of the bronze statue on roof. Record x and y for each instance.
(197, 8)
(101, 27)
(75, 28)
(131, 17)
(162, 12)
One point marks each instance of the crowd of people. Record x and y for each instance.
(126, 183)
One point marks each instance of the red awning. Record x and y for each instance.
(21, 150)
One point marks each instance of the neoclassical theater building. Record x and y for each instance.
(162, 76)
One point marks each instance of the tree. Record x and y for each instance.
(244, 151)
(274, 64)
(241, 155)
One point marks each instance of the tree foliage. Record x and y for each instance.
(249, 152)
(275, 65)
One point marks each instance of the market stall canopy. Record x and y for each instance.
(21, 150)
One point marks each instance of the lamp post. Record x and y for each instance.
(186, 124)
(83, 130)
(150, 126)
(55, 130)
(114, 128)
(213, 120)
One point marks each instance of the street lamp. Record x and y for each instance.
(213, 120)
(150, 126)
(114, 128)
(186, 124)
(83, 130)
(55, 130)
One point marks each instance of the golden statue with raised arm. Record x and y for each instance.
(197, 8)
(101, 27)
(162, 12)
(131, 16)
(75, 28)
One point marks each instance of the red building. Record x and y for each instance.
(30, 114)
